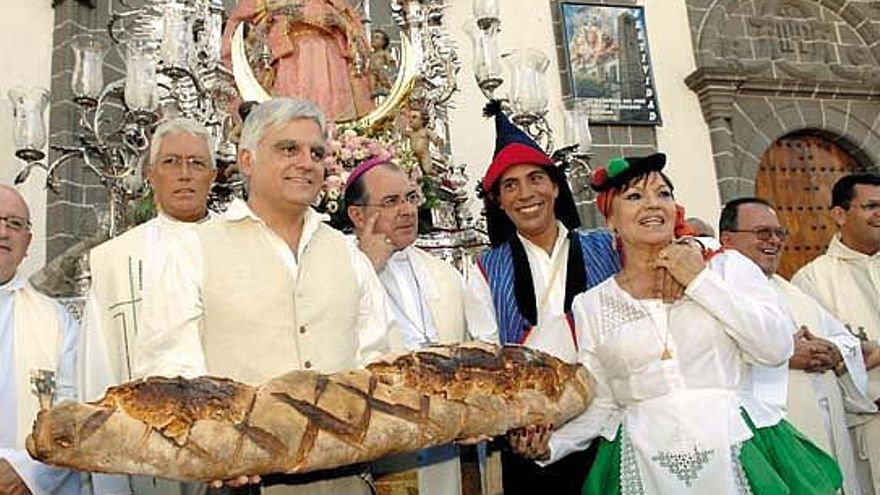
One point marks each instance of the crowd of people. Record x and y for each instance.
(713, 374)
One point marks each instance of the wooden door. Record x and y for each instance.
(796, 175)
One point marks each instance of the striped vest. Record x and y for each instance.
(600, 262)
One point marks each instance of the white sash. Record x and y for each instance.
(37, 340)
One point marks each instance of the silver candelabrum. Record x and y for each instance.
(173, 67)
(526, 100)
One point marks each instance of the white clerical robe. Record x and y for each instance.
(553, 334)
(847, 283)
(426, 298)
(120, 268)
(817, 401)
(35, 334)
(172, 342)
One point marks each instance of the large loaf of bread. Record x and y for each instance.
(214, 428)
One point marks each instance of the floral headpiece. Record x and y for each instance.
(621, 170)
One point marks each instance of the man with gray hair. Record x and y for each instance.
(248, 296)
(179, 166)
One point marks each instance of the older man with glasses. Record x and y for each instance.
(826, 377)
(37, 341)
(179, 167)
(425, 294)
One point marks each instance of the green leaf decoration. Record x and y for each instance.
(617, 166)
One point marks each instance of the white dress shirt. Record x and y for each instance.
(406, 291)
(552, 333)
(171, 342)
(40, 478)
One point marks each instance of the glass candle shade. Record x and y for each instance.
(29, 106)
(177, 37)
(140, 76)
(528, 85)
(486, 56)
(577, 128)
(87, 80)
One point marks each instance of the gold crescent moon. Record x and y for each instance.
(250, 88)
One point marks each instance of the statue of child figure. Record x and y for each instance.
(382, 66)
(420, 138)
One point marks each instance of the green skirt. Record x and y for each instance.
(777, 460)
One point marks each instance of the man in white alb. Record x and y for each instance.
(425, 294)
(37, 336)
(251, 295)
(827, 375)
(846, 281)
(179, 167)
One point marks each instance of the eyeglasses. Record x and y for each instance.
(175, 163)
(16, 224)
(767, 233)
(413, 198)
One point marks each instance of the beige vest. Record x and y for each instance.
(37, 339)
(259, 322)
(447, 298)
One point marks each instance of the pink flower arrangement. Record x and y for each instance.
(346, 148)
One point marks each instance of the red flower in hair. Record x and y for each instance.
(599, 177)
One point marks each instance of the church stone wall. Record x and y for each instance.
(72, 213)
(768, 68)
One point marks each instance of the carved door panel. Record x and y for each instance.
(796, 175)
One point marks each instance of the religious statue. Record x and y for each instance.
(421, 137)
(382, 66)
(311, 49)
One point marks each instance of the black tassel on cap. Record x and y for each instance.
(492, 108)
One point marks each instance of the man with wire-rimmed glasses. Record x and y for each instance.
(425, 294)
(37, 356)
(826, 378)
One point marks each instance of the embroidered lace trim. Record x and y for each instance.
(739, 474)
(630, 478)
(615, 312)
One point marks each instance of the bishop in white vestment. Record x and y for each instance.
(425, 295)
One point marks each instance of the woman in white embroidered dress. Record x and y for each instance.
(667, 374)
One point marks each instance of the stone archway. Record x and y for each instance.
(770, 68)
(796, 173)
